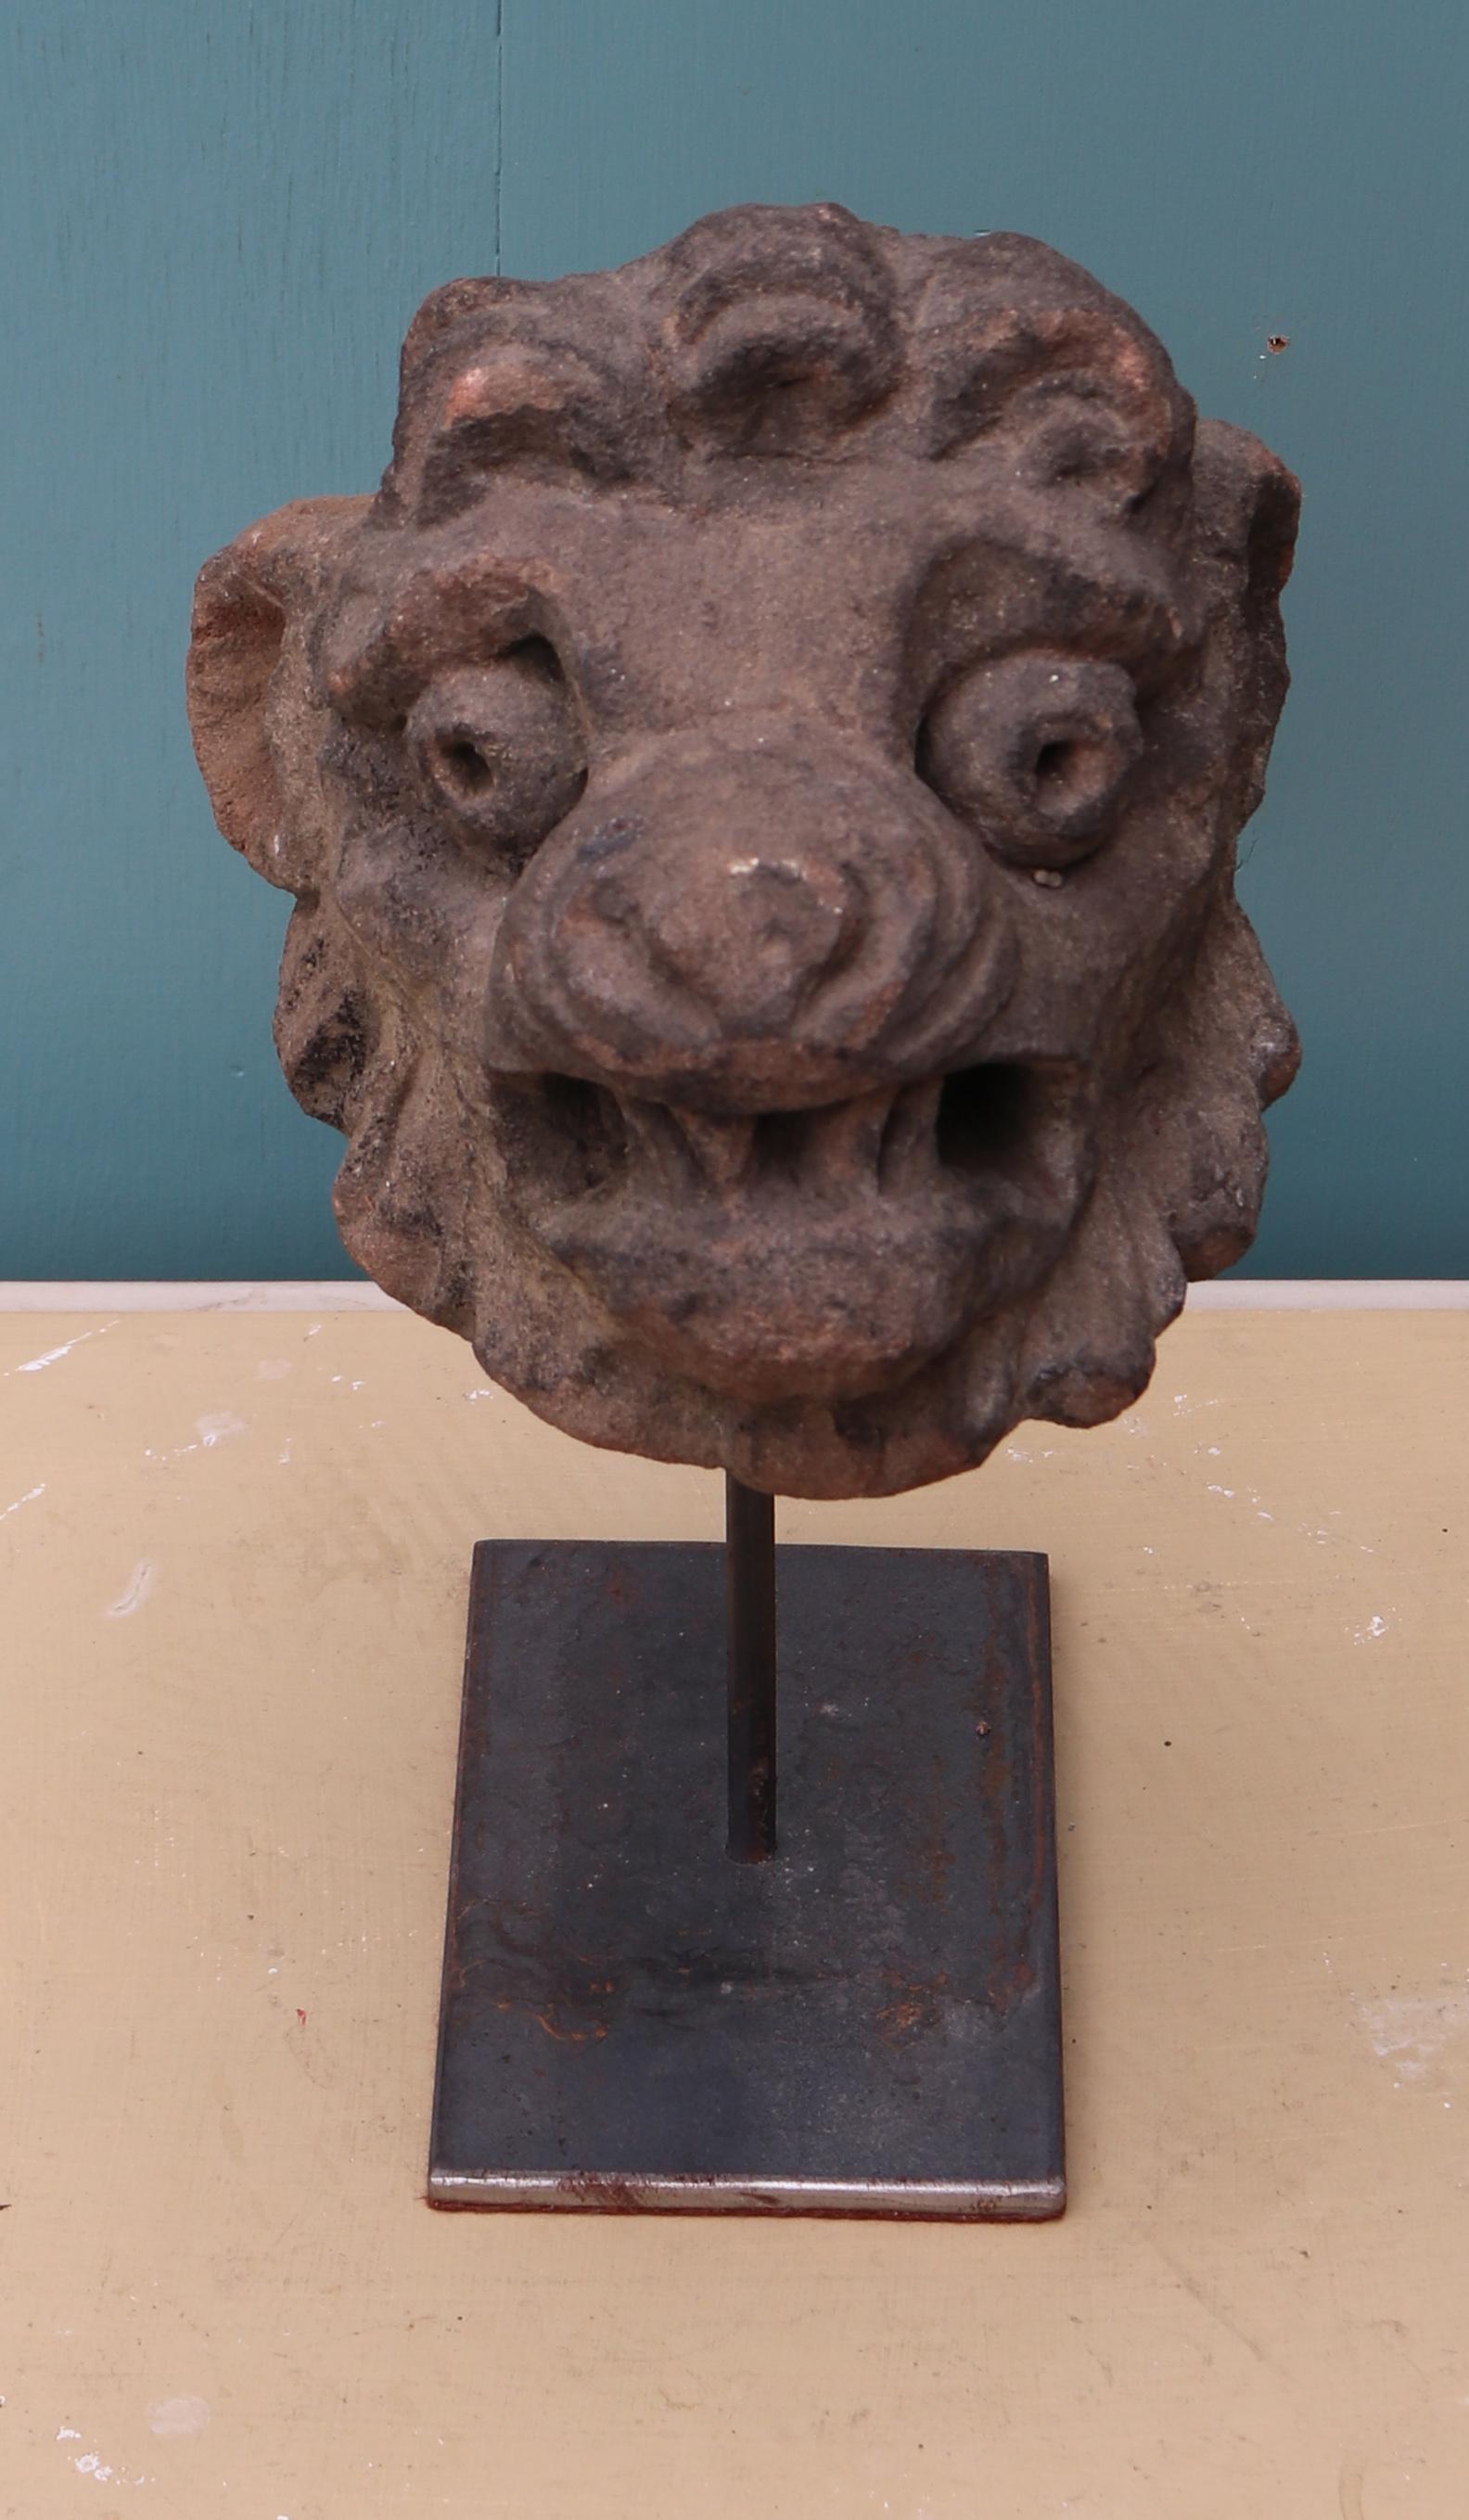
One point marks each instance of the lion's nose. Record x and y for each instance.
(748, 936)
(756, 915)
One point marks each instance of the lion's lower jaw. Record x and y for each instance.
(942, 1417)
(757, 1346)
(1065, 1334)
(776, 1298)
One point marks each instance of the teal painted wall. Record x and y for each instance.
(217, 218)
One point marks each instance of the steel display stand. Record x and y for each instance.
(831, 1990)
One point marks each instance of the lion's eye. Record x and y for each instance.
(1073, 440)
(1033, 750)
(465, 767)
(500, 746)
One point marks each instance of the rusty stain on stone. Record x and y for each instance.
(760, 782)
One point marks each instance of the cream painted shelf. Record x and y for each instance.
(234, 1546)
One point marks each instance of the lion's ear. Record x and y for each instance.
(251, 607)
(1247, 506)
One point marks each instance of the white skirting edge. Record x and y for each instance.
(1330, 1296)
(194, 1296)
(357, 1295)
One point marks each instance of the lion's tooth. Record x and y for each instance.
(722, 1148)
(910, 1146)
(658, 1137)
(846, 1138)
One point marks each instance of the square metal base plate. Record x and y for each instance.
(869, 2022)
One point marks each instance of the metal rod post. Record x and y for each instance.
(750, 1578)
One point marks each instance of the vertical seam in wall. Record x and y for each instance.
(499, 120)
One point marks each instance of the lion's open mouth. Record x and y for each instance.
(896, 1143)
(836, 1248)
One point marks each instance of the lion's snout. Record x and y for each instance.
(770, 918)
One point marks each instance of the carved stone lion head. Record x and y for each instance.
(760, 784)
